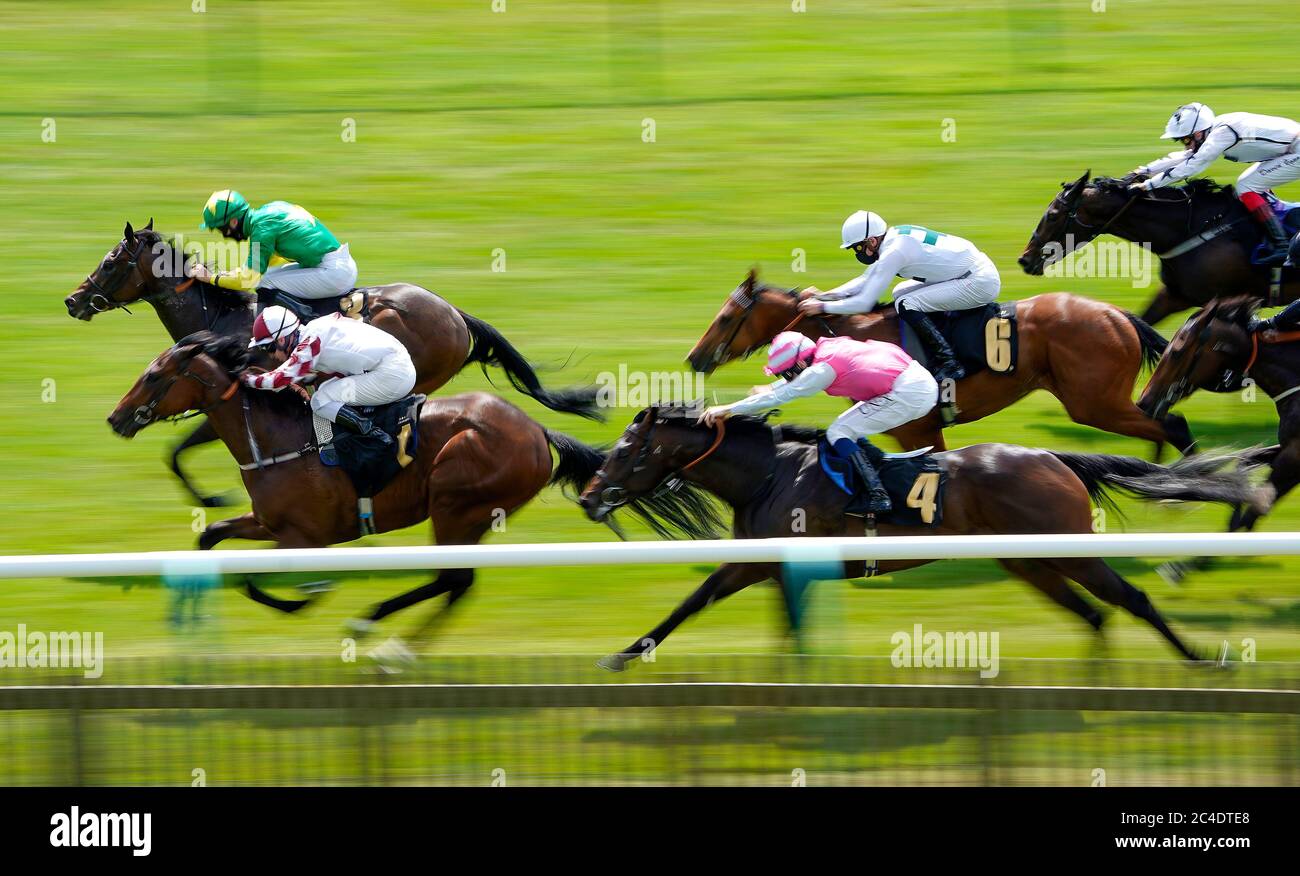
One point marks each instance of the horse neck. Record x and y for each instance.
(196, 309)
(728, 472)
(1276, 368)
(1156, 223)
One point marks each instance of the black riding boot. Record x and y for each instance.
(1285, 320)
(944, 361)
(1276, 240)
(873, 499)
(349, 419)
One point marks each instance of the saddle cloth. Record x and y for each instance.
(371, 461)
(914, 480)
(982, 338)
(354, 305)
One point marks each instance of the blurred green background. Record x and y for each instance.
(523, 130)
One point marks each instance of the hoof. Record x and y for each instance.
(392, 656)
(359, 627)
(1174, 572)
(613, 663)
(315, 588)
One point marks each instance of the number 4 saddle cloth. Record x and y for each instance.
(915, 482)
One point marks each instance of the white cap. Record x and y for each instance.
(1187, 120)
(861, 226)
(273, 323)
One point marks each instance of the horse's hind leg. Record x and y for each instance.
(204, 434)
(726, 580)
(1055, 586)
(1162, 305)
(1107, 584)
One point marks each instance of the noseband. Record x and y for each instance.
(144, 414)
(102, 300)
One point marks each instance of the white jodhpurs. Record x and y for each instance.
(1264, 176)
(978, 287)
(392, 380)
(913, 395)
(335, 275)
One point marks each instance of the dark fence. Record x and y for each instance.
(685, 720)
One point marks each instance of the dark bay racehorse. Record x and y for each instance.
(1086, 353)
(1215, 350)
(478, 457)
(442, 340)
(766, 473)
(1171, 221)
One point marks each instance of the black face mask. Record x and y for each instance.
(865, 258)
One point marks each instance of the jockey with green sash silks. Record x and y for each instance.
(318, 265)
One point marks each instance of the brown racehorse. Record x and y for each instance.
(991, 488)
(1215, 350)
(1086, 353)
(1169, 220)
(479, 457)
(442, 340)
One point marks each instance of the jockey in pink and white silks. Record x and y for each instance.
(943, 271)
(1270, 143)
(354, 362)
(890, 388)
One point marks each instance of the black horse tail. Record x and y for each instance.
(491, 348)
(1203, 477)
(1153, 343)
(578, 462)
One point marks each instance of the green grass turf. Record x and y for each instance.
(523, 131)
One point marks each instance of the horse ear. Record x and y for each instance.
(128, 233)
(149, 227)
(751, 280)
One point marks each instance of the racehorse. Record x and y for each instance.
(1086, 353)
(1202, 234)
(442, 340)
(1216, 350)
(991, 488)
(478, 459)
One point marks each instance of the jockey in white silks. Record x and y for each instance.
(353, 362)
(943, 271)
(1270, 143)
(890, 388)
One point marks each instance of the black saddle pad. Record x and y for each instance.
(982, 337)
(371, 461)
(307, 309)
(915, 483)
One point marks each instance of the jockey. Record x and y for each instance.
(358, 363)
(319, 266)
(944, 272)
(1272, 143)
(890, 388)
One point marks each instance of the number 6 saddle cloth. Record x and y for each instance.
(982, 338)
(915, 482)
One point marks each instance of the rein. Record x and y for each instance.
(615, 495)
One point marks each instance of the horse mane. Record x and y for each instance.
(231, 353)
(741, 424)
(1194, 188)
(1237, 310)
(228, 299)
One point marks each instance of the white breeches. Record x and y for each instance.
(335, 275)
(391, 381)
(977, 288)
(1264, 176)
(913, 395)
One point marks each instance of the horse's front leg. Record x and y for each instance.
(1163, 304)
(726, 580)
(203, 434)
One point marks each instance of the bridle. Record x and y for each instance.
(1092, 232)
(144, 414)
(616, 495)
(1228, 381)
(746, 301)
(102, 300)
